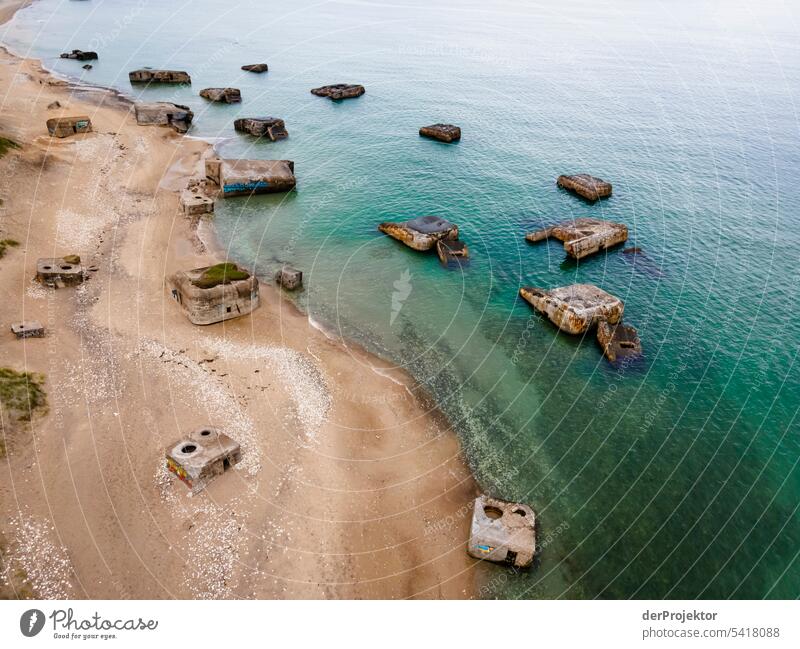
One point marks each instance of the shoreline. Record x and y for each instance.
(338, 496)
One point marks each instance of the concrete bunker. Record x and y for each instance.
(502, 532)
(289, 278)
(28, 329)
(244, 177)
(618, 341)
(269, 127)
(339, 91)
(584, 236)
(421, 233)
(585, 186)
(164, 113)
(576, 308)
(60, 271)
(66, 126)
(258, 68)
(452, 251)
(148, 75)
(222, 95)
(201, 456)
(441, 132)
(215, 293)
(80, 55)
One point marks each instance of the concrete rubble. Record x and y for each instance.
(244, 177)
(289, 278)
(256, 67)
(222, 95)
(339, 91)
(441, 132)
(201, 456)
(502, 532)
(148, 75)
(421, 233)
(214, 293)
(584, 236)
(618, 341)
(575, 309)
(164, 113)
(451, 251)
(60, 271)
(66, 126)
(585, 186)
(270, 127)
(28, 329)
(80, 55)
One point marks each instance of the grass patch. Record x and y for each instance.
(5, 244)
(21, 393)
(220, 274)
(7, 145)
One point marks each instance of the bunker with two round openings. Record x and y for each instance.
(201, 456)
(60, 271)
(503, 532)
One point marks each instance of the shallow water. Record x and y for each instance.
(674, 477)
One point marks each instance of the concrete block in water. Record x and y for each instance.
(586, 186)
(441, 132)
(421, 233)
(576, 308)
(584, 236)
(339, 91)
(243, 177)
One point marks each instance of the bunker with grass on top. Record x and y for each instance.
(502, 532)
(420, 233)
(576, 308)
(201, 456)
(66, 126)
(244, 177)
(585, 186)
(584, 236)
(164, 113)
(339, 91)
(148, 75)
(215, 293)
(441, 132)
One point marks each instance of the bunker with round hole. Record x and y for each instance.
(502, 532)
(201, 456)
(60, 271)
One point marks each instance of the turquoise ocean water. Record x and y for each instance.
(674, 477)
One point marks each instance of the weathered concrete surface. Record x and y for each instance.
(586, 186)
(421, 233)
(60, 271)
(583, 237)
(164, 113)
(28, 329)
(451, 251)
(441, 132)
(204, 306)
(244, 177)
(339, 91)
(66, 126)
(256, 67)
(503, 532)
(289, 278)
(80, 55)
(196, 203)
(222, 95)
(148, 75)
(270, 127)
(201, 456)
(618, 341)
(576, 308)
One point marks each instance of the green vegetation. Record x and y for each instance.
(21, 393)
(6, 145)
(7, 243)
(220, 274)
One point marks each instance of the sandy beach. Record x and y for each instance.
(350, 486)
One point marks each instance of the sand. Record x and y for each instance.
(350, 486)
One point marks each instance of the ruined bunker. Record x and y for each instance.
(148, 75)
(164, 113)
(201, 456)
(421, 233)
(28, 329)
(583, 237)
(196, 203)
(502, 532)
(618, 341)
(289, 278)
(585, 186)
(243, 177)
(339, 91)
(575, 309)
(60, 271)
(222, 95)
(451, 251)
(256, 67)
(66, 126)
(215, 293)
(270, 127)
(79, 55)
(441, 132)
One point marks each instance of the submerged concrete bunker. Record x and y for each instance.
(585, 186)
(503, 532)
(576, 308)
(269, 127)
(421, 233)
(339, 91)
(148, 75)
(222, 95)
(441, 132)
(243, 177)
(201, 456)
(215, 293)
(584, 236)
